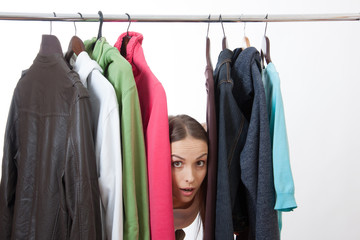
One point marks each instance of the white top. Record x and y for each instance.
(105, 114)
(195, 230)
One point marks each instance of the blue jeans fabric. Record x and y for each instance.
(231, 215)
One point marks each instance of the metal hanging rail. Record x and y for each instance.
(78, 17)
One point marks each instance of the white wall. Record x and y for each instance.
(318, 65)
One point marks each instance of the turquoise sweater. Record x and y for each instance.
(283, 179)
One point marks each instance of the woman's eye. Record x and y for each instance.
(201, 163)
(177, 164)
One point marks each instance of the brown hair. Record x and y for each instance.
(180, 127)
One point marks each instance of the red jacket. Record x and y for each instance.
(156, 130)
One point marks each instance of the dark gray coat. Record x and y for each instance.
(256, 158)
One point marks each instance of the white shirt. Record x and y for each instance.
(195, 230)
(105, 114)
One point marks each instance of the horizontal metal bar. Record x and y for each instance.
(76, 17)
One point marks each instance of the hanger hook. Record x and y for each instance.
(129, 20)
(243, 22)
(75, 24)
(241, 17)
(266, 17)
(51, 23)
(244, 29)
(101, 19)
(207, 35)
(75, 28)
(220, 19)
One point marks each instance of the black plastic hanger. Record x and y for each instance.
(126, 39)
(76, 45)
(224, 41)
(101, 20)
(265, 48)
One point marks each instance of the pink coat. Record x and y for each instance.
(156, 130)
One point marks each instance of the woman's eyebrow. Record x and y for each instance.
(202, 155)
(174, 155)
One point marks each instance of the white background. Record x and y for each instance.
(318, 63)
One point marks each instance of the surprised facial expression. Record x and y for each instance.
(189, 166)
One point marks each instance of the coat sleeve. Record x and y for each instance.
(110, 179)
(159, 168)
(283, 179)
(9, 174)
(135, 192)
(80, 177)
(134, 164)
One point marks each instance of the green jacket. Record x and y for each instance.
(135, 193)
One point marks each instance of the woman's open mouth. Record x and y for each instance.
(187, 191)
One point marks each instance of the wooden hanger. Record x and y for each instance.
(246, 41)
(76, 46)
(224, 41)
(208, 58)
(265, 48)
(126, 39)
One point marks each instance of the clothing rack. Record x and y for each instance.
(78, 17)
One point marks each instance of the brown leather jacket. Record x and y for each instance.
(49, 187)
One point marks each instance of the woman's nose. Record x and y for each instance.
(189, 176)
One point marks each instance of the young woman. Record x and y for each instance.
(189, 150)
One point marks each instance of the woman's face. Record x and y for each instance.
(189, 161)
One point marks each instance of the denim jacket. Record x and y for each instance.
(231, 213)
(245, 189)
